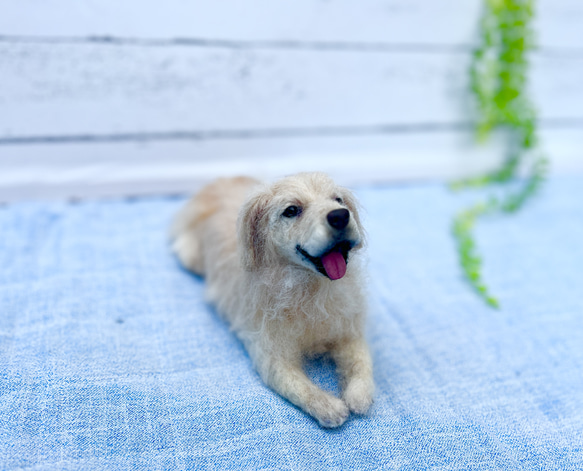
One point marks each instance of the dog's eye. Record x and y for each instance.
(339, 200)
(291, 211)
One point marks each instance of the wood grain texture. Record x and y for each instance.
(444, 22)
(392, 21)
(98, 89)
(109, 98)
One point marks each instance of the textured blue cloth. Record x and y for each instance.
(110, 359)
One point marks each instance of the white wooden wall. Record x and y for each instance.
(106, 97)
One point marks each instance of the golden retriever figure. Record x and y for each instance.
(281, 264)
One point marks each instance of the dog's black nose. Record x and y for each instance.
(338, 218)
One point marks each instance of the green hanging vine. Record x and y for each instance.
(499, 76)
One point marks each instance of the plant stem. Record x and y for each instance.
(498, 76)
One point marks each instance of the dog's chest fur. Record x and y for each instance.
(312, 318)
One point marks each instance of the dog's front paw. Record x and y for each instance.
(329, 411)
(358, 396)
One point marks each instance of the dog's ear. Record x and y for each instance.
(354, 206)
(252, 231)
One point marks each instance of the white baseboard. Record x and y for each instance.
(130, 169)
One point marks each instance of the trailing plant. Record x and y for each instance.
(499, 73)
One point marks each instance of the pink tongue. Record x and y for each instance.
(334, 265)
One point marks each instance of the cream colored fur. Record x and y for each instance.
(234, 233)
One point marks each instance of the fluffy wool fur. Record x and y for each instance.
(237, 234)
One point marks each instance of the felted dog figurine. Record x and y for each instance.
(281, 265)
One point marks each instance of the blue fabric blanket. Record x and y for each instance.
(110, 358)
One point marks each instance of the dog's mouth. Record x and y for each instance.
(331, 263)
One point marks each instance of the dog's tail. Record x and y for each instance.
(188, 236)
(186, 243)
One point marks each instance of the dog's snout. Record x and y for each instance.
(338, 218)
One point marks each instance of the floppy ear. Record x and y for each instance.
(354, 206)
(252, 231)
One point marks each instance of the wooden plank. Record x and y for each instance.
(97, 89)
(447, 22)
(558, 25)
(413, 21)
(170, 167)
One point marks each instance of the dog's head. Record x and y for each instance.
(306, 220)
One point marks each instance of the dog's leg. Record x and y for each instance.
(288, 379)
(355, 368)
